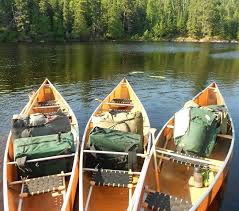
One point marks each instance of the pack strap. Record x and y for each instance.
(21, 164)
(132, 157)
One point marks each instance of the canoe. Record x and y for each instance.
(111, 194)
(18, 191)
(169, 179)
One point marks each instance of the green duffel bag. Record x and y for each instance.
(40, 147)
(200, 137)
(105, 139)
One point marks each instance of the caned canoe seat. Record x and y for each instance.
(111, 178)
(188, 159)
(114, 178)
(42, 185)
(47, 103)
(120, 102)
(162, 201)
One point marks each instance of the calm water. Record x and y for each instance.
(164, 76)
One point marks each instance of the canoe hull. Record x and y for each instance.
(108, 198)
(42, 201)
(176, 180)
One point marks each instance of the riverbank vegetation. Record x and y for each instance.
(52, 20)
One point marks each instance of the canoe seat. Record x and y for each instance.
(111, 178)
(188, 162)
(114, 178)
(162, 201)
(51, 104)
(184, 159)
(42, 185)
(47, 103)
(121, 100)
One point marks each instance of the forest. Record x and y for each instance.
(88, 20)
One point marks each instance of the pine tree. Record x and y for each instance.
(113, 19)
(80, 26)
(67, 17)
(21, 16)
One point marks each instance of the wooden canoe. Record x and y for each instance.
(108, 197)
(172, 181)
(12, 183)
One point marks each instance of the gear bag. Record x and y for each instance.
(40, 147)
(203, 126)
(39, 124)
(113, 140)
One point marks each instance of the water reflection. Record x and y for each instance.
(26, 65)
(226, 55)
(164, 76)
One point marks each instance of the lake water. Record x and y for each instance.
(163, 75)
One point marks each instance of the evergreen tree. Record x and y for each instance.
(21, 16)
(67, 17)
(113, 19)
(80, 26)
(118, 19)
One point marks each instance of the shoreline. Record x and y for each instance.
(177, 40)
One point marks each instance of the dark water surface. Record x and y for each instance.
(164, 76)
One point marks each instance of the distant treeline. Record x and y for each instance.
(48, 20)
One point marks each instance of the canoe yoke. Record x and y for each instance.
(114, 178)
(162, 201)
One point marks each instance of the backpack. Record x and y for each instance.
(104, 139)
(203, 126)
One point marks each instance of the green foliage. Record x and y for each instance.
(118, 19)
(21, 16)
(80, 25)
(113, 19)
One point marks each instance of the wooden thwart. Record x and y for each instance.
(43, 107)
(112, 152)
(27, 180)
(44, 159)
(224, 136)
(170, 126)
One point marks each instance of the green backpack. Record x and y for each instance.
(204, 125)
(105, 139)
(40, 147)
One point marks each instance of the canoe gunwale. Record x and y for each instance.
(74, 130)
(135, 202)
